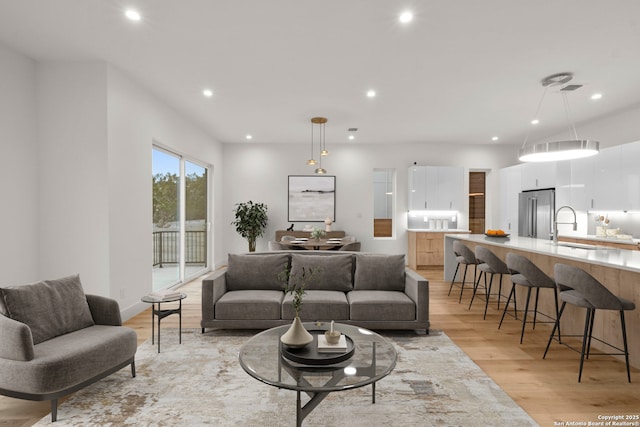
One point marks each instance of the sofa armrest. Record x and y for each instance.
(417, 288)
(16, 339)
(213, 287)
(105, 311)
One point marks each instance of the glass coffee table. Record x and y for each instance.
(263, 357)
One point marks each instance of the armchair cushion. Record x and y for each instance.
(50, 308)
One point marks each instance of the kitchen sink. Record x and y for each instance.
(580, 246)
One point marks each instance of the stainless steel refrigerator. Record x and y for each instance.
(535, 213)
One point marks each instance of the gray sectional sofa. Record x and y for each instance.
(54, 340)
(375, 291)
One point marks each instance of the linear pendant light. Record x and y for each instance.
(558, 150)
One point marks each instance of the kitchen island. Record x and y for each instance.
(617, 269)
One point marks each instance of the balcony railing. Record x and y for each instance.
(166, 247)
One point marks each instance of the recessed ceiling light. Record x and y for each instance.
(596, 96)
(406, 17)
(208, 93)
(133, 15)
(249, 137)
(371, 93)
(495, 138)
(535, 121)
(352, 137)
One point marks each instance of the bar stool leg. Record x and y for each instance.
(506, 307)
(487, 295)
(585, 337)
(555, 326)
(454, 278)
(624, 340)
(526, 310)
(464, 278)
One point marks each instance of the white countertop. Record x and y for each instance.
(428, 230)
(609, 257)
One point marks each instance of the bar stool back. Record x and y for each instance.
(464, 256)
(488, 263)
(526, 273)
(579, 288)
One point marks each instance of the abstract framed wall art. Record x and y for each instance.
(312, 198)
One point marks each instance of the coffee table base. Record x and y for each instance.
(316, 398)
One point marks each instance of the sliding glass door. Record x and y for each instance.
(180, 225)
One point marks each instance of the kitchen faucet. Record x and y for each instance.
(555, 223)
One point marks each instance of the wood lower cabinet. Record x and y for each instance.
(426, 248)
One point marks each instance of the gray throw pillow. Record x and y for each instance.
(379, 272)
(330, 272)
(256, 272)
(50, 308)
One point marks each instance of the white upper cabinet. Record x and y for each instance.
(509, 189)
(538, 175)
(608, 185)
(574, 183)
(417, 188)
(436, 188)
(630, 158)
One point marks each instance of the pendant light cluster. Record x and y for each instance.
(573, 148)
(319, 123)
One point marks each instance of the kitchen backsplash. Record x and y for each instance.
(628, 223)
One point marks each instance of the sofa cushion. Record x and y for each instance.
(249, 305)
(381, 305)
(318, 305)
(50, 308)
(330, 272)
(379, 272)
(256, 272)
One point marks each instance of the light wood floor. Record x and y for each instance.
(547, 389)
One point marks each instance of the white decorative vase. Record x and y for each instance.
(297, 336)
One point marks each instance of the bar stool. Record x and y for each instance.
(526, 273)
(465, 256)
(489, 263)
(579, 288)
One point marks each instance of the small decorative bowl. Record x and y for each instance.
(332, 337)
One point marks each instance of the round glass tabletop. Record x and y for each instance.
(374, 357)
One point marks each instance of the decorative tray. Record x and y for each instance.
(497, 235)
(310, 355)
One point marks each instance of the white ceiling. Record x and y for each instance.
(461, 72)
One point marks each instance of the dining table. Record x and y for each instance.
(334, 243)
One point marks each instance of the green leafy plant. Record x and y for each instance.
(251, 221)
(295, 284)
(317, 233)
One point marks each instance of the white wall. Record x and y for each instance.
(75, 175)
(18, 169)
(72, 143)
(136, 120)
(259, 172)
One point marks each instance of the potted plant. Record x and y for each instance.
(251, 221)
(296, 336)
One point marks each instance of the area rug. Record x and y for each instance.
(200, 383)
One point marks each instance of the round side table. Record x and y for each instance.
(162, 313)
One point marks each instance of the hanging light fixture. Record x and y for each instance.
(320, 122)
(558, 150)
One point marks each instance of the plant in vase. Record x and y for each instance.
(295, 282)
(317, 233)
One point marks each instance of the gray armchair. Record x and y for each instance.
(46, 354)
